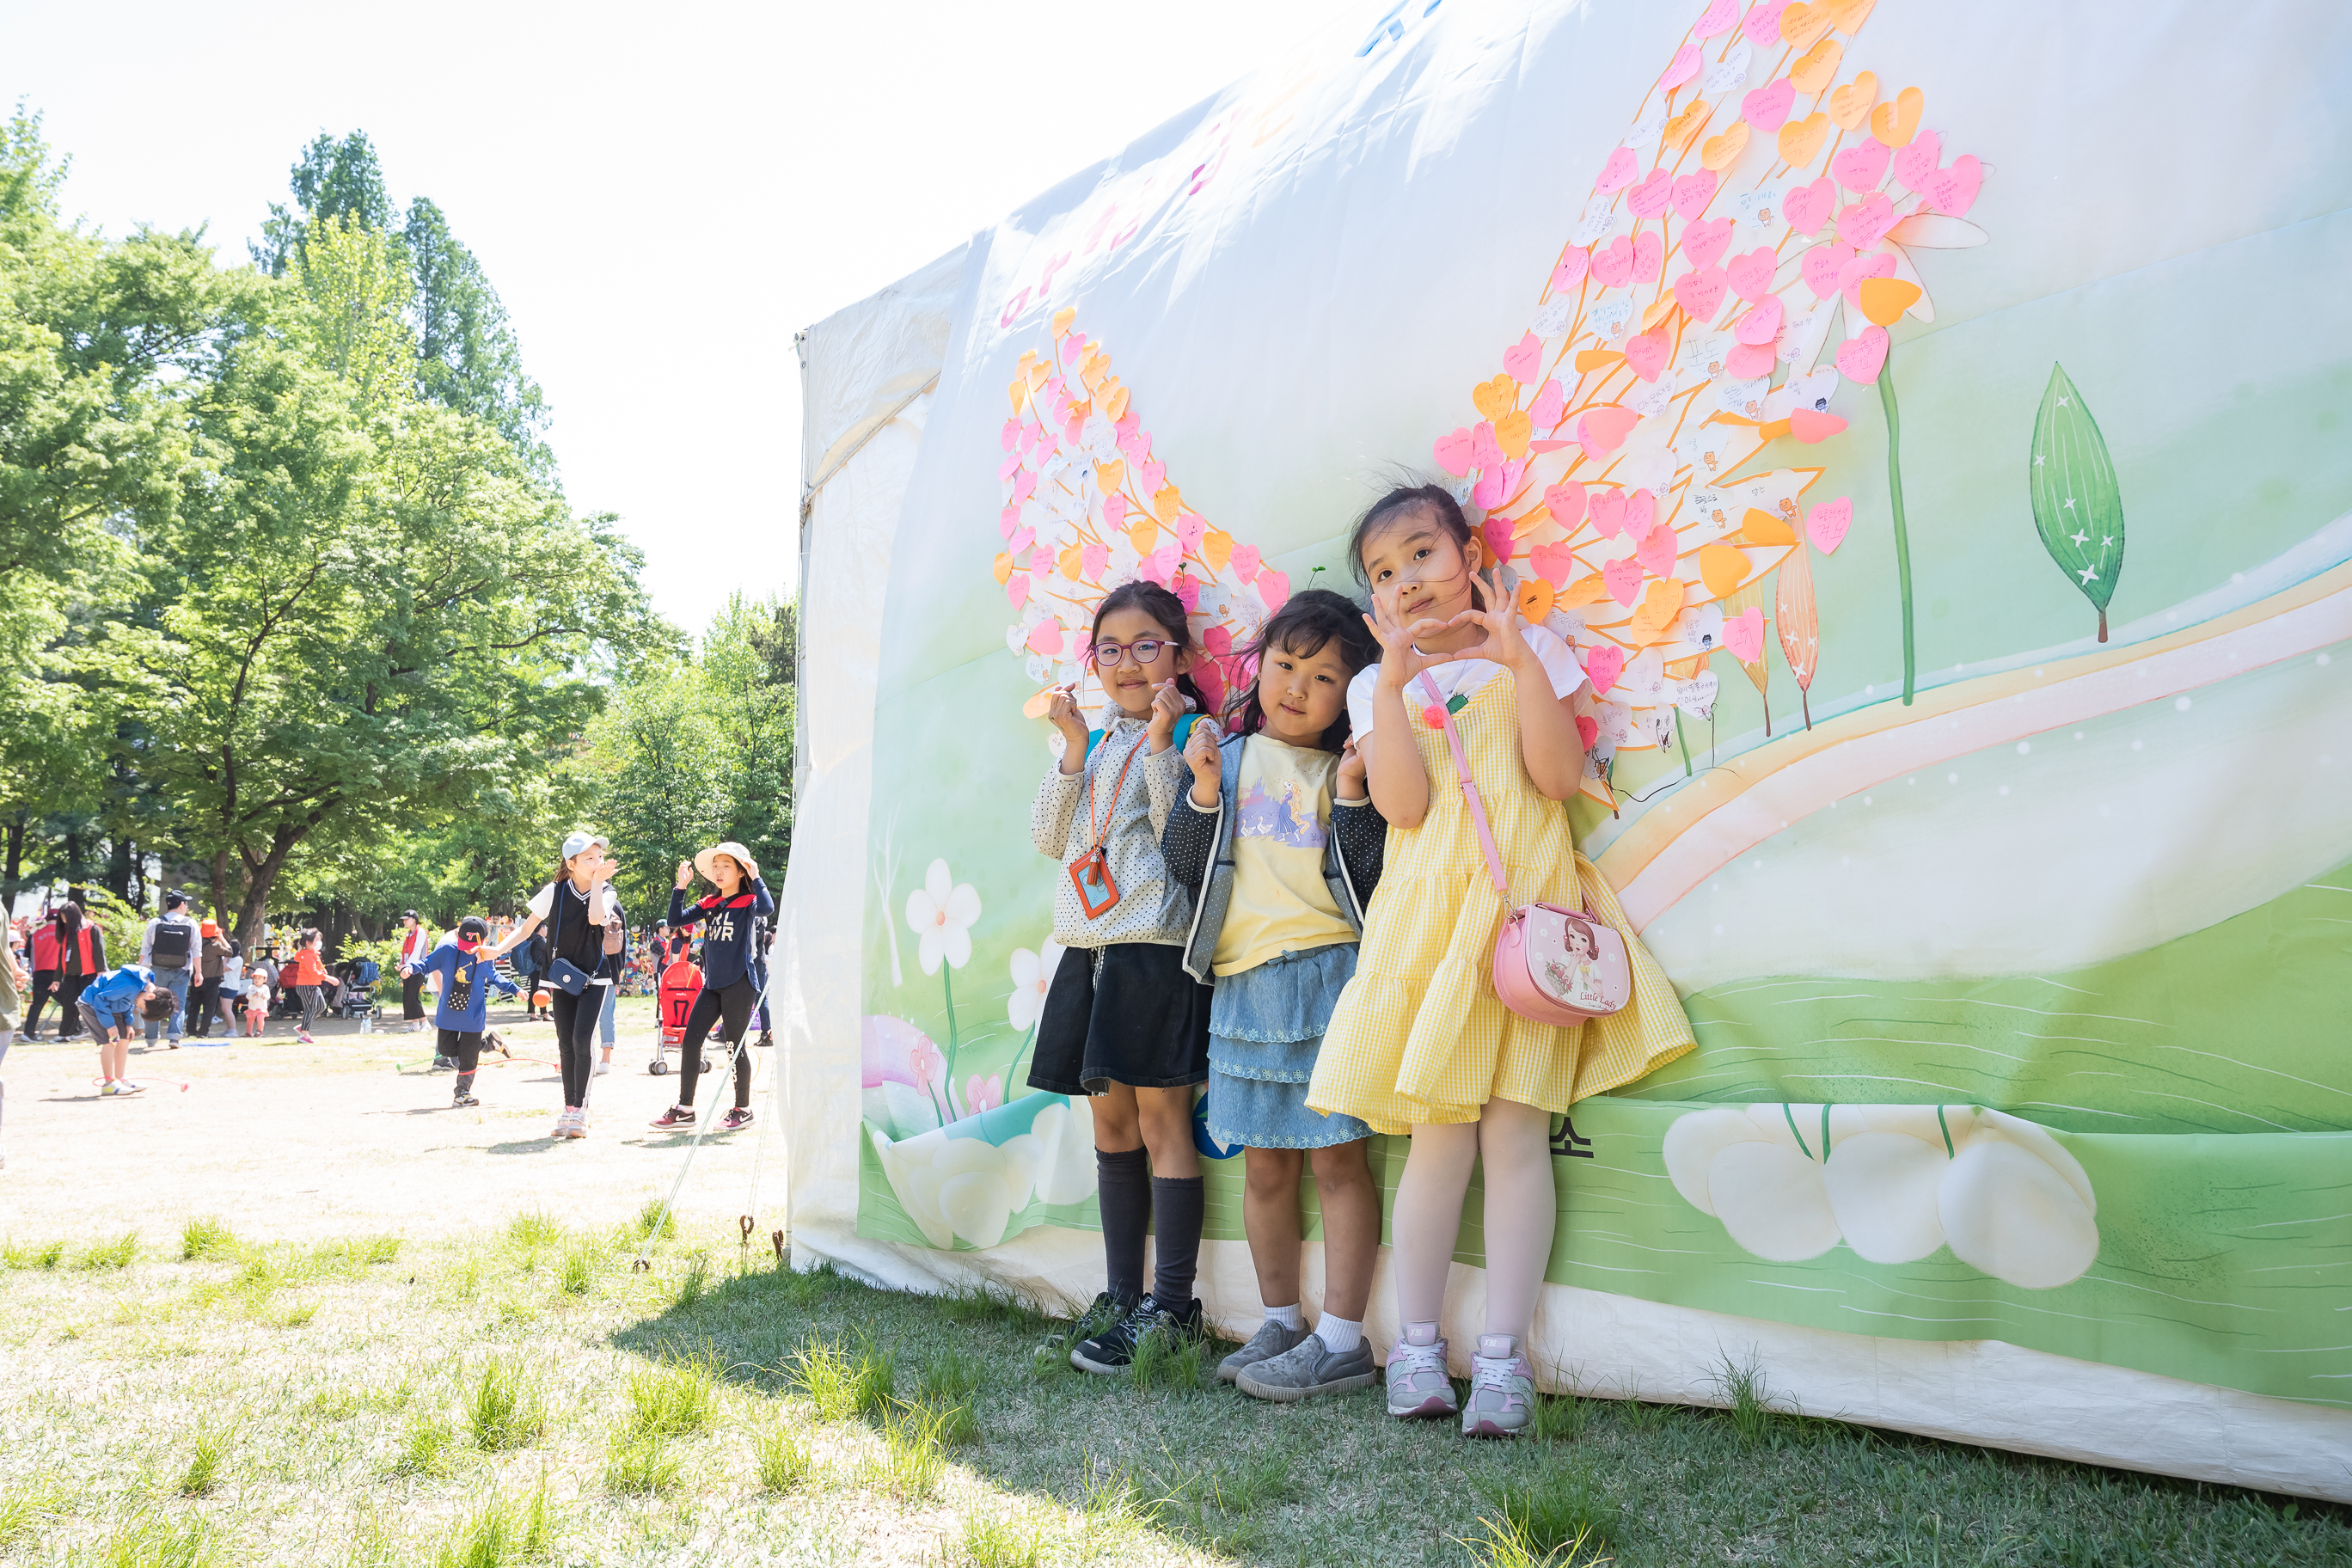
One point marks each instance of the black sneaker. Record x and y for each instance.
(443, 1064)
(464, 1102)
(1112, 1351)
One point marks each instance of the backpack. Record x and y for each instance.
(173, 945)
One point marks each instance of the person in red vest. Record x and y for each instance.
(44, 954)
(81, 958)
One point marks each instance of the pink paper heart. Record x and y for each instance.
(1025, 484)
(1681, 68)
(1544, 412)
(1647, 352)
(1618, 172)
(1954, 190)
(1861, 166)
(1810, 206)
(1701, 293)
(1623, 580)
(1073, 427)
(1012, 434)
(1155, 474)
(1649, 255)
(1007, 469)
(1093, 559)
(1244, 564)
(1860, 224)
(1743, 633)
(1053, 387)
(1762, 26)
(1588, 730)
(1657, 551)
(1115, 510)
(1916, 161)
(1191, 529)
(1717, 18)
(1565, 502)
(1045, 638)
(1612, 264)
(1161, 565)
(1127, 424)
(1016, 588)
(1496, 532)
(1640, 510)
(1828, 522)
(1484, 452)
(1273, 587)
(1553, 563)
(1877, 264)
(1497, 486)
(1702, 242)
(1454, 452)
(1767, 107)
(1861, 356)
(1821, 265)
(1523, 359)
(1751, 275)
(1748, 361)
(1571, 268)
(1134, 441)
(1649, 198)
(1609, 512)
(1218, 641)
(1040, 559)
(1603, 666)
(1603, 429)
(1761, 324)
(1007, 521)
(1692, 193)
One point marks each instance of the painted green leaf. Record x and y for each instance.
(2077, 505)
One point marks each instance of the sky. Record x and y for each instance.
(661, 195)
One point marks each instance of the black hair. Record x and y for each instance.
(1312, 619)
(69, 919)
(1390, 508)
(175, 898)
(158, 1009)
(1162, 606)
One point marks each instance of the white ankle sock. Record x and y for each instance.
(1338, 1335)
(1286, 1316)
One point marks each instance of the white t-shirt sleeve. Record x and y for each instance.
(1359, 699)
(543, 900)
(1558, 658)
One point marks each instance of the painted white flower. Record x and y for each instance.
(1033, 977)
(941, 914)
(1895, 1182)
(965, 1188)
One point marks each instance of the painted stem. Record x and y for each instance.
(1902, 533)
(1683, 741)
(947, 973)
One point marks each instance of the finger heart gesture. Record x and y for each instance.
(1494, 612)
(1400, 661)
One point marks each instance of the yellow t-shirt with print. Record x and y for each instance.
(1282, 821)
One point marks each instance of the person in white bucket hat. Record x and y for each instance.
(730, 983)
(587, 941)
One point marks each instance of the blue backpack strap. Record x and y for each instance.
(1183, 731)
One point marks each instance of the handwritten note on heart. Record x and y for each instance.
(1745, 362)
(1647, 352)
(1768, 106)
(1717, 17)
(1602, 665)
(1660, 604)
(1245, 563)
(1861, 224)
(1624, 579)
(1719, 153)
(1603, 429)
(1497, 397)
(1657, 549)
(1683, 126)
(1649, 253)
(1565, 503)
(1850, 105)
(1855, 273)
(1762, 24)
(1861, 166)
(1827, 523)
(1512, 433)
(1893, 123)
(1016, 588)
(1523, 359)
(1801, 139)
(1545, 411)
(1751, 275)
(1640, 508)
(1618, 172)
(1861, 356)
(1809, 206)
(1691, 194)
(1609, 512)
(1613, 264)
(1953, 191)
(1649, 198)
(1496, 533)
(1704, 242)
(1571, 268)
(1914, 163)
(1111, 475)
(1761, 324)
(1553, 563)
(1700, 293)
(1743, 634)
(1681, 68)
(1454, 453)
(1819, 67)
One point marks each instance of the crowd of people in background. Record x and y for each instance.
(570, 954)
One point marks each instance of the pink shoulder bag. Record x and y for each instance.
(1551, 965)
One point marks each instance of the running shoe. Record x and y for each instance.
(676, 1116)
(442, 1063)
(304, 1036)
(1112, 1351)
(1502, 1390)
(765, 1038)
(1418, 1386)
(563, 1128)
(463, 1102)
(604, 1067)
(579, 1123)
(124, 1085)
(739, 1117)
(1270, 1340)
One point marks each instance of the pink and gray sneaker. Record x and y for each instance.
(1502, 1389)
(1418, 1386)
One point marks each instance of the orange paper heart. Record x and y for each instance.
(1895, 123)
(1512, 434)
(1114, 405)
(1802, 25)
(1497, 397)
(1853, 14)
(1166, 504)
(1004, 568)
(1762, 527)
(1020, 391)
(1144, 535)
(1534, 598)
(1660, 604)
(1587, 589)
(1216, 548)
(1528, 522)
(1658, 310)
(1036, 707)
(1884, 299)
(1109, 475)
(1719, 153)
(1801, 139)
(1078, 411)
(1683, 126)
(1071, 562)
(1721, 567)
(1590, 360)
(1850, 105)
(1062, 319)
(1814, 72)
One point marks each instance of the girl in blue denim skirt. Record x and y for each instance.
(1280, 840)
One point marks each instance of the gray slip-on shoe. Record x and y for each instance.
(1309, 1368)
(1270, 1340)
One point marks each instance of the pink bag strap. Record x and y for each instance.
(1469, 790)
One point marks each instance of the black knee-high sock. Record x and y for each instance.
(464, 1085)
(1176, 1204)
(1124, 1195)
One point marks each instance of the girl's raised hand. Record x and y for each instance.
(1064, 714)
(1400, 661)
(1200, 755)
(1494, 610)
(1167, 707)
(685, 875)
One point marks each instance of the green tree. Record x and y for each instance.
(331, 179)
(467, 357)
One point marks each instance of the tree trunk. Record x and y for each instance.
(118, 872)
(261, 875)
(10, 881)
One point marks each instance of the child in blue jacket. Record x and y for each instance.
(467, 975)
(106, 1005)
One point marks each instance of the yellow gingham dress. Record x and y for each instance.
(1419, 1036)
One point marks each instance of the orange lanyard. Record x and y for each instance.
(1096, 836)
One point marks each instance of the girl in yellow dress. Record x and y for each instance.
(1418, 1041)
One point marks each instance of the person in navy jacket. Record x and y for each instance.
(467, 975)
(731, 970)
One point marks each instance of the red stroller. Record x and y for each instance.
(681, 983)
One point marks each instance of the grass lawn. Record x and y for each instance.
(525, 1396)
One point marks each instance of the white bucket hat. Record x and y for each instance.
(734, 851)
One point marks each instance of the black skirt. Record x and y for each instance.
(1143, 1022)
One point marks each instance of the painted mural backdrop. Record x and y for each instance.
(2012, 905)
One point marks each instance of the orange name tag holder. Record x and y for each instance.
(1090, 872)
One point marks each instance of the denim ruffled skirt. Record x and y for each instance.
(1265, 1028)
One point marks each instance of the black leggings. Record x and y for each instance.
(575, 1038)
(734, 1003)
(70, 989)
(464, 1049)
(44, 981)
(412, 998)
(201, 998)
